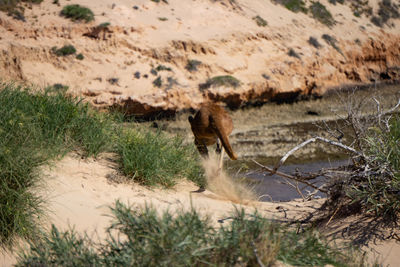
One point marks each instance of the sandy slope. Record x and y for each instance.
(221, 34)
(80, 192)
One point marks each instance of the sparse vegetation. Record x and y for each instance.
(80, 56)
(162, 68)
(293, 53)
(331, 41)
(314, 42)
(157, 82)
(77, 13)
(224, 80)
(320, 13)
(185, 238)
(64, 51)
(192, 65)
(386, 11)
(336, 1)
(13, 7)
(162, 18)
(260, 21)
(293, 5)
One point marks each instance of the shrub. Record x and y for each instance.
(331, 41)
(386, 11)
(153, 158)
(336, 1)
(144, 237)
(157, 82)
(64, 51)
(293, 53)
(162, 67)
(321, 14)
(192, 65)
(80, 56)
(162, 19)
(314, 42)
(34, 128)
(224, 80)
(77, 12)
(293, 5)
(14, 9)
(260, 21)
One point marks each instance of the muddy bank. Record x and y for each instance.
(269, 131)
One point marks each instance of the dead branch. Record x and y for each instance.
(283, 159)
(273, 171)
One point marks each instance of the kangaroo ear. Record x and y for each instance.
(190, 118)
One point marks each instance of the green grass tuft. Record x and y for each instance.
(77, 13)
(36, 127)
(320, 13)
(192, 65)
(144, 237)
(66, 50)
(224, 80)
(260, 21)
(156, 159)
(293, 5)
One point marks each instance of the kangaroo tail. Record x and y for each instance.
(224, 140)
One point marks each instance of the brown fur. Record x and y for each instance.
(208, 125)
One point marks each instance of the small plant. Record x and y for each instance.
(64, 51)
(13, 7)
(113, 81)
(192, 65)
(157, 82)
(80, 56)
(331, 41)
(320, 13)
(56, 2)
(77, 13)
(104, 25)
(314, 42)
(162, 68)
(162, 18)
(293, 53)
(333, 2)
(260, 21)
(293, 5)
(224, 80)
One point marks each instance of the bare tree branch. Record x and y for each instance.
(283, 159)
(289, 176)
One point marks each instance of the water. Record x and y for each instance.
(273, 187)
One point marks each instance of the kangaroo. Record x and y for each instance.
(208, 125)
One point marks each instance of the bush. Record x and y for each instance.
(224, 80)
(14, 9)
(293, 53)
(192, 65)
(260, 21)
(157, 82)
(185, 238)
(331, 41)
(386, 11)
(80, 56)
(35, 128)
(293, 5)
(156, 159)
(77, 12)
(314, 42)
(321, 14)
(64, 51)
